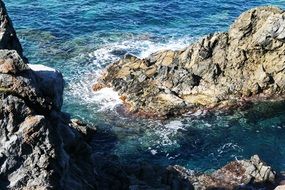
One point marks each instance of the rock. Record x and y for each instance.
(86, 131)
(8, 37)
(281, 187)
(247, 62)
(11, 62)
(36, 86)
(98, 86)
(244, 174)
(177, 178)
(39, 149)
(42, 148)
(48, 77)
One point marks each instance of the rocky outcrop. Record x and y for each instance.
(8, 37)
(40, 148)
(244, 174)
(221, 69)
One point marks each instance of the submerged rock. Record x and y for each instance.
(221, 69)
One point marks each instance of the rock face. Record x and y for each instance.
(51, 83)
(221, 69)
(39, 147)
(8, 37)
(245, 174)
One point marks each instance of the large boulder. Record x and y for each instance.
(41, 86)
(40, 147)
(50, 82)
(221, 69)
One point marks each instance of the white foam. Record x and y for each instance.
(153, 152)
(167, 133)
(107, 98)
(175, 125)
(80, 86)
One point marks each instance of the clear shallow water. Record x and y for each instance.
(81, 37)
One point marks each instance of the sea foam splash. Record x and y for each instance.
(80, 85)
(107, 98)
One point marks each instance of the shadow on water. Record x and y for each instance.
(204, 143)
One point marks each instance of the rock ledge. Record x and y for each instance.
(222, 69)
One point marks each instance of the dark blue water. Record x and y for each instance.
(81, 37)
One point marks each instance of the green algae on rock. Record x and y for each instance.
(220, 69)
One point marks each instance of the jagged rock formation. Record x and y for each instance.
(244, 174)
(8, 37)
(221, 69)
(40, 148)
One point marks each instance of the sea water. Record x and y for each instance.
(80, 38)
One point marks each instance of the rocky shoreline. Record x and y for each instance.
(42, 148)
(220, 70)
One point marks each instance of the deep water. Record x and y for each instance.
(81, 37)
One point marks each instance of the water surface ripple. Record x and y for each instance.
(82, 37)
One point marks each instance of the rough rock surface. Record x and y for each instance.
(39, 147)
(244, 174)
(51, 83)
(221, 69)
(8, 37)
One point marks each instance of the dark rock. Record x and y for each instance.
(244, 174)
(41, 148)
(38, 148)
(8, 37)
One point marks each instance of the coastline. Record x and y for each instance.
(43, 148)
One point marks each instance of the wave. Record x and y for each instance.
(95, 62)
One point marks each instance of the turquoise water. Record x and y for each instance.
(80, 38)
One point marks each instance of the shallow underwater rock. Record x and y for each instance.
(245, 63)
